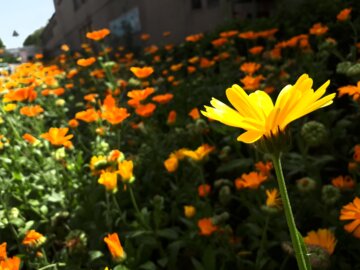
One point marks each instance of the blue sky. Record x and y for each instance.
(24, 16)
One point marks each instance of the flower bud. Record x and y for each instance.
(354, 70)
(225, 195)
(319, 257)
(330, 194)
(306, 184)
(314, 133)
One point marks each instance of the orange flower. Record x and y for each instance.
(90, 115)
(344, 15)
(65, 48)
(166, 34)
(194, 113)
(248, 35)
(171, 117)
(204, 190)
(56, 136)
(193, 60)
(206, 226)
(3, 254)
(252, 180)
(191, 69)
(84, 62)
(252, 83)
(115, 248)
(351, 211)
(343, 182)
(162, 99)
(250, 67)
(318, 29)
(115, 115)
(323, 238)
(350, 90)
(172, 163)
(10, 264)
(256, 50)
(194, 38)
(145, 37)
(228, 34)
(264, 168)
(33, 239)
(145, 110)
(176, 67)
(31, 111)
(143, 72)
(206, 63)
(21, 94)
(125, 169)
(356, 155)
(98, 35)
(139, 95)
(29, 138)
(219, 42)
(54, 92)
(73, 123)
(109, 180)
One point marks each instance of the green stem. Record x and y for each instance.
(139, 214)
(54, 265)
(300, 256)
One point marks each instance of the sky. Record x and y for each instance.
(23, 16)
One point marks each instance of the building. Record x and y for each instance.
(127, 19)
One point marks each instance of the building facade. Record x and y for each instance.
(130, 18)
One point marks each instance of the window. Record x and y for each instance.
(196, 4)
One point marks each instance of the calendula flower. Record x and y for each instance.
(194, 113)
(343, 182)
(115, 247)
(33, 239)
(322, 238)
(189, 211)
(252, 180)
(172, 163)
(171, 117)
(256, 50)
(351, 212)
(57, 137)
(109, 180)
(206, 226)
(98, 35)
(273, 199)
(31, 111)
(85, 62)
(204, 190)
(344, 15)
(143, 72)
(252, 82)
(145, 110)
(8, 263)
(318, 29)
(162, 99)
(90, 115)
(125, 169)
(264, 168)
(199, 154)
(250, 67)
(29, 138)
(260, 117)
(351, 90)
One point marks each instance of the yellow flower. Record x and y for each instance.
(322, 238)
(109, 180)
(125, 169)
(257, 114)
(189, 211)
(273, 198)
(10, 107)
(199, 154)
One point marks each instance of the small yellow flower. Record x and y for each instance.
(189, 211)
(273, 198)
(125, 169)
(10, 107)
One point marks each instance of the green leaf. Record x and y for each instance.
(148, 266)
(168, 233)
(234, 165)
(95, 254)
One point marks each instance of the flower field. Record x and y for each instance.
(170, 157)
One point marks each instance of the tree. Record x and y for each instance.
(2, 46)
(34, 38)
